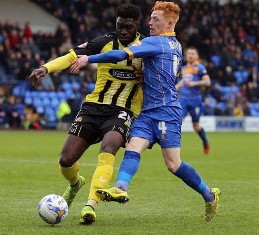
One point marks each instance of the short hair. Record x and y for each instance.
(171, 10)
(196, 50)
(128, 10)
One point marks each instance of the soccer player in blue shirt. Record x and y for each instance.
(161, 116)
(194, 77)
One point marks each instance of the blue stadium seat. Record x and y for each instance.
(216, 60)
(50, 111)
(55, 102)
(254, 109)
(37, 101)
(91, 86)
(75, 85)
(61, 95)
(222, 105)
(52, 94)
(65, 86)
(40, 109)
(43, 94)
(28, 100)
(46, 101)
(241, 76)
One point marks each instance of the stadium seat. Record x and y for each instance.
(241, 76)
(91, 86)
(65, 86)
(222, 106)
(40, 109)
(37, 102)
(61, 95)
(75, 85)
(43, 94)
(216, 60)
(28, 100)
(46, 101)
(254, 109)
(55, 102)
(52, 94)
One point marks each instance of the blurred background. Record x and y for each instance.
(34, 32)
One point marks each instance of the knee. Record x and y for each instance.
(65, 161)
(111, 148)
(173, 166)
(196, 127)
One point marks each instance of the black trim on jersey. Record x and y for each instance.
(118, 92)
(132, 93)
(105, 89)
(141, 36)
(96, 45)
(129, 62)
(115, 45)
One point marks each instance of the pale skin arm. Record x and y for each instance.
(81, 62)
(179, 85)
(205, 81)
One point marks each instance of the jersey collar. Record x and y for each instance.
(168, 34)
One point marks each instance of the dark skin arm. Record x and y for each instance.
(139, 75)
(36, 75)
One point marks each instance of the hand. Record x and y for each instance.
(190, 83)
(139, 75)
(82, 61)
(36, 74)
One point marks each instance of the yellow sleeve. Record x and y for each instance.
(61, 62)
(129, 52)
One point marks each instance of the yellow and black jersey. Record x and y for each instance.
(116, 83)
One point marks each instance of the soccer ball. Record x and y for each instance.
(53, 209)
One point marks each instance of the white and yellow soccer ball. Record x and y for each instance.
(53, 209)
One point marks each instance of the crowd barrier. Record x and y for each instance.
(215, 124)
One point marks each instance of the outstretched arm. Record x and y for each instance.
(143, 49)
(107, 57)
(57, 64)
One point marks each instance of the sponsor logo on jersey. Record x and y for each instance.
(122, 74)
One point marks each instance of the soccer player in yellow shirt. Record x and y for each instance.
(106, 114)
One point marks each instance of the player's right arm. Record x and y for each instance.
(57, 64)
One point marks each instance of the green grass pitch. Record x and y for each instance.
(159, 202)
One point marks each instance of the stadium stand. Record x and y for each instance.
(229, 51)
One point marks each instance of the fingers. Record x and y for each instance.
(79, 63)
(74, 67)
(36, 74)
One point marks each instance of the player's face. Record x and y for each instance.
(126, 30)
(191, 55)
(158, 24)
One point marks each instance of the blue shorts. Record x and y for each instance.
(167, 134)
(192, 106)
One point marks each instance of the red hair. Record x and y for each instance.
(171, 10)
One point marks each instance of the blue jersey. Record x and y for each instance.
(162, 58)
(161, 115)
(192, 73)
